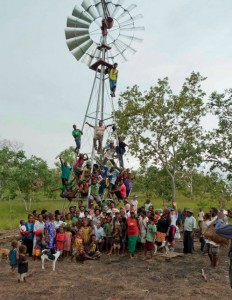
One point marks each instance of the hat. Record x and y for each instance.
(189, 210)
(88, 163)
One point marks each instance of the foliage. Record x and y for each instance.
(164, 129)
(219, 141)
(18, 174)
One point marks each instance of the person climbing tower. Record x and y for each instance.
(99, 135)
(76, 133)
(113, 76)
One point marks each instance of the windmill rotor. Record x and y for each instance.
(84, 30)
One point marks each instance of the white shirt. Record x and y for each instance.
(82, 214)
(58, 223)
(173, 219)
(146, 206)
(135, 203)
(189, 223)
(99, 232)
(200, 216)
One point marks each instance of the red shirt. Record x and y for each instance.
(122, 190)
(60, 239)
(132, 227)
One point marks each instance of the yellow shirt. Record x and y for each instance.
(113, 74)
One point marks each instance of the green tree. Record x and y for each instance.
(219, 140)
(163, 128)
(22, 176)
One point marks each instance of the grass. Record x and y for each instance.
(11, 212)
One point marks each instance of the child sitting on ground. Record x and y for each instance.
(78, 244)
(14, 256)
(22, 264)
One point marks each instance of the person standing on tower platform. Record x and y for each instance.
(76, 133)
(113, 76)
(99, 135)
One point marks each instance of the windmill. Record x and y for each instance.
(100, 33)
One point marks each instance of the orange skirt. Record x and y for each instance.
(160, 236)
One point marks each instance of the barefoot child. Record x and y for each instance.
(60, 239)
(67, 243)
(13, 256)
(150, 238)
(117, 241)
(22, 264)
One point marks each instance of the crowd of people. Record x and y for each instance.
(83, 234)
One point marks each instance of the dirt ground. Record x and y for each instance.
(162, 278)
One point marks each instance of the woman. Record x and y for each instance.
(163, 227)
(50, 232)
(143, 220)
(132, 233)
(172, 230)
(28, 238)
(38, 233)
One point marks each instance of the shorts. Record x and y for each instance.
(117, 246)
(149, 246)
(212, 250)
(113, 84)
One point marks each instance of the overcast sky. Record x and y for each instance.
(44, 90)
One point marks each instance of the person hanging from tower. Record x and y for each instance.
(76, 133)
(113, 76)
(120, 150)
(99, 135)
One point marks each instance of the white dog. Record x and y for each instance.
(163, 245)
(47, 256)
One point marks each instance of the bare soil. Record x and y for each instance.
(163, 278)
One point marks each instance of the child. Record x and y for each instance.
(150, 238)
(108, 227)
(117, 241)
(81, 256)
(92, 252)
(22, 264)
(60, 239)
(77, 245)
(23, 229)
(13, 256)
(38, 244)
(67, 243)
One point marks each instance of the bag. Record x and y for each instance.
(210, 234)
(177, 234)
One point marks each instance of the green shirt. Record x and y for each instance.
(150, 235)
(77, 134)
(104, 202)
(108, 229)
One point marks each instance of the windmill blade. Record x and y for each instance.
(132, 19)
(74, 32)
(87, 5)
(126, 11)
(119, 51)
(74, 22)
(90, 55)
(80, 51)
(77, 42)
(130, 37)
(98, 6)
(78, 13)
(118, 7)
(132, 28)
(110, 6)
(126, 46)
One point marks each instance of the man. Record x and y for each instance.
(189, 231)
(113, 76)
(65, 171)
(120, 192)
(212, 247)
(109, 153)
(134, 202)
(76, 133)
(99, 135)
(100, 234)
